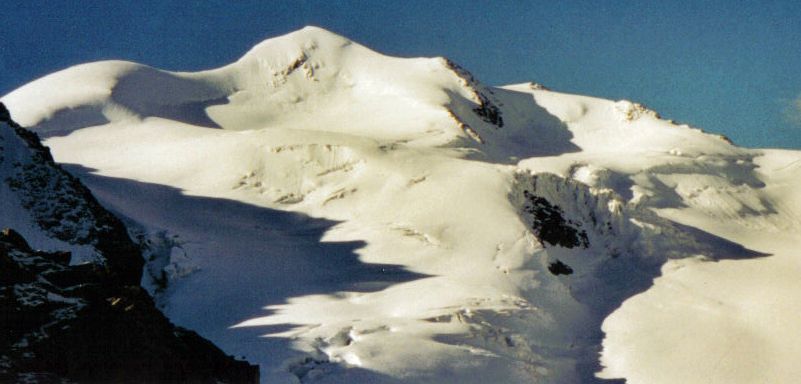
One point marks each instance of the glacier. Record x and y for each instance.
(336, 215)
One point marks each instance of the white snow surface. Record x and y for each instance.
(337, 216)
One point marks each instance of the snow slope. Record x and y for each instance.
(393, 220)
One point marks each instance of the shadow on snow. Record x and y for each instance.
(622, 278)
(249, 257)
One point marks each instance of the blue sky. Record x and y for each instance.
(730, 67)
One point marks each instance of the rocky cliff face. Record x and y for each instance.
(62, 207)
(89, 321)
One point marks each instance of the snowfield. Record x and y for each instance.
(337, 216)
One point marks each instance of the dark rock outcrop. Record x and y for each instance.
(91, 322)
(559, 268)
(79, 323)
(4, 114)
(64, 208)
(486, 109)
(550, 226)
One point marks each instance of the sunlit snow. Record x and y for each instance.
(336, 215)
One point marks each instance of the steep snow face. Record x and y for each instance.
(394, 220)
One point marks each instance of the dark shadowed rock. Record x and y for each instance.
(550, 226)
(11, 236)
(66, 210)
(559, 268)
(78, 323)
(4, 114)
(92, 322)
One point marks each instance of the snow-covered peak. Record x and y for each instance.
(402, 222)
(311, 79)
(315, 80)
(291, 45)
(312, 72)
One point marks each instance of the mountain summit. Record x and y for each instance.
(391, 220)
(311, 79)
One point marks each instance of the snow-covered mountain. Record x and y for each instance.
(336, 215)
